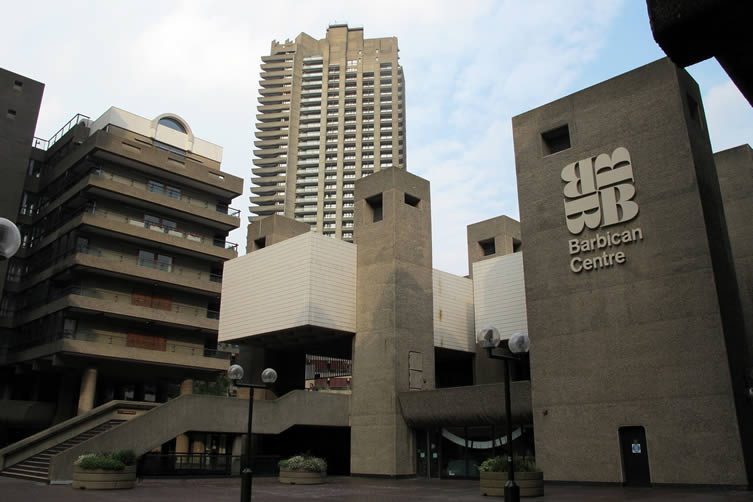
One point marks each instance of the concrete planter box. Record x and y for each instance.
(531, 483)
(302, 477)
(100, 479)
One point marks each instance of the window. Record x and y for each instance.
(156, 223)
(82, 244)
(172, 124)
(488, 247)
(11, 114)
(17, 85)
(516, 245)
(556, 140)
(69, 326)
(156, 261)
(260, 243)
(375, 205)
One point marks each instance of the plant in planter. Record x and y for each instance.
(493, 476)
(105, 471)
(302, 470)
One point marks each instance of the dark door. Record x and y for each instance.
(634, 451)
(434, 441)
(422, 454)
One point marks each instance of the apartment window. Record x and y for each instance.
(556, 140)
(516, 246)
(260, 243)
(69, 326)
(487, 247)
(17, 85)
(157, 187)
(82, 244)
(374, 204)
(11, 114)
(156, 261)
(157, 223)
(172, 124)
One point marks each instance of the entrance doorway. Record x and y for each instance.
(634, 450)
(427, 453)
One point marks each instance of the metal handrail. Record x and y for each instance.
(46, 144)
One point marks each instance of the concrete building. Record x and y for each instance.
(624, 271)
(330, 112)
(115, 292)
(638, 346)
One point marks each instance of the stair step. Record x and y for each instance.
(36, 467)
(28, 477)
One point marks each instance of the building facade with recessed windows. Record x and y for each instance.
(115, 292)
(330, 111)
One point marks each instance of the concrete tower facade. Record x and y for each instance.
(393, 349)
(330, 112)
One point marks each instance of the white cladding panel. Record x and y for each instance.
(307, 280)
(499, 294)
(453, 312)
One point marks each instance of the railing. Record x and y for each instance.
(173, 231)
(46, 144)
(167, 191)
(116, 297)
(120, 340)
(203, 464)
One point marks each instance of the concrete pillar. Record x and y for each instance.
(181, 444)
(88, 389)
(181, 441)
(393, 349)
(186, 386)
(238, 442)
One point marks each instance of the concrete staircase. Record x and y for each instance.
(36, 468)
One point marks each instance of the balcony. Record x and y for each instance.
(308, 170)
(267, 189)
(267, 210)
(269, 171)
(265, 199)
(312, 76)
(270, 161)
(307, 189)
(274, 152)
(119, 304)
(278, 83)
(271, 126)
(306, 162)
(115, 346)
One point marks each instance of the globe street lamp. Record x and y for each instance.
(268, 376)
(10, 239)
(518, 344)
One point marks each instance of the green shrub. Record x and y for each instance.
(303, 463)
(128, 457)
(499, 464)
(115, 461)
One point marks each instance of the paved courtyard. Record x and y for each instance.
(343, 489)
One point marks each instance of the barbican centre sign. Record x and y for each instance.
(599, 193)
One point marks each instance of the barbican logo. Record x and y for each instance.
(599, 191)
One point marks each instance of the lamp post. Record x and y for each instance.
(268, 376)
(10, 239)
(518, 344)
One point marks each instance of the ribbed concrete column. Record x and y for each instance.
(88, 389)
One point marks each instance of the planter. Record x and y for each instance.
(531, 483)
(100, 479)
(302, 477)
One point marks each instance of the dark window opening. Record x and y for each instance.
(18, 85)
(488, 247)
(375, 204)
(260, 243)
(11, 114)
(411, 200)
(556, 140)
(694, 109)
(172, 124)
(516, 245)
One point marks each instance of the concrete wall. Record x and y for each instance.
(641, 340)
(306, 280)
(453, 312)
(19, 108)
(735, 169)
(393, 350)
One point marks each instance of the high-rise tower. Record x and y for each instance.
(331, 112)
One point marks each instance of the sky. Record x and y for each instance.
(469, 67)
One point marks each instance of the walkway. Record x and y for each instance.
(346, 490)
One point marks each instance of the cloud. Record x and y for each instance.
(729, 116)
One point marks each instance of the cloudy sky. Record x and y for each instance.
(470, 66)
